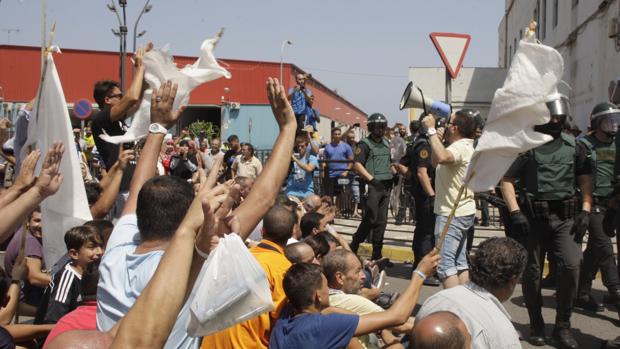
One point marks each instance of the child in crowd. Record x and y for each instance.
(84, 246)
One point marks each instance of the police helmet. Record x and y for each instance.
(605, 117)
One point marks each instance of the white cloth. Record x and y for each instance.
(485, 317)
(158, 68)
(49, 123)
(123, 275)
(519, 105)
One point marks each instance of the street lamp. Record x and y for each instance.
(147, 7)
(122, 34)
(284, 43)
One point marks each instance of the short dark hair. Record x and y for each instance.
(232, 138)
(184, 143)
(496, 262)
(93, 192)
(300, 283)
(308, 222)
(102, 225)
(319, 245)
(465, 120)
(334, 129)
(278, 224)
(250, 146)
(101, 91)
(77, 237)
(90, 278)
(162, 204)
(450, 338)
(335, 262)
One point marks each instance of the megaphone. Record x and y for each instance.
(413, 97)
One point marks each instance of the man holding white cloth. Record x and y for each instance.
(451, 165)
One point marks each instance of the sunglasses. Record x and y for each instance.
(116, 95)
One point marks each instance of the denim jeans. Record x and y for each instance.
(453, 252)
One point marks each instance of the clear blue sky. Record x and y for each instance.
(361, 48)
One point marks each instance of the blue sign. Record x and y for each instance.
(82, 109)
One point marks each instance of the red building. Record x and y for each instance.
(79, 69)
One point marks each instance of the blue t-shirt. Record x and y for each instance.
(123, 275)
(298, 100)
(299, 182)
(314, 331)
(342, 151)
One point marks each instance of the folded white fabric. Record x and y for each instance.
(519, 105)
(158, 68)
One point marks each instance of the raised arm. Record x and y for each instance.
(24, 180)
(267, 185)
(46, 185)
(131, 100)
(400, 311)
(161, 113)
(108, 197)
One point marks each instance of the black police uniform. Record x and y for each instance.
(419, 156)
(549, 173)
(374, 220)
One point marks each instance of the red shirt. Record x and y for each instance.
(83, 317)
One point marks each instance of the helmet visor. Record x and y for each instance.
(610, 122)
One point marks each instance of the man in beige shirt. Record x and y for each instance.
(451, 165)
(246, 164)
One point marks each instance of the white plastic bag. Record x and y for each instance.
(231, 288)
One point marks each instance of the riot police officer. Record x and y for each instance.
(554, 218)
(416, 165)
(374, 165)
(599, 253)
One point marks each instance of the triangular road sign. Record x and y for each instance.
(452, 48)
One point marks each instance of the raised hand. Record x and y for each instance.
(138, 57)
(26, 178)
(428, 264)
(161, 105)
(50, 177)
(124, 156)
(280, 105)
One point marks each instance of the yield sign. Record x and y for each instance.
(452, 48)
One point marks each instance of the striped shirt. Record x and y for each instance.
(62, 295)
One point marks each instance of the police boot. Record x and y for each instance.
(537, 331)
(563, 336)
(614, 296)
(589, 303)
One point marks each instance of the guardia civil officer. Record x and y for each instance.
(374, 165)
(599, 253)
(416, 165)
(554, 219)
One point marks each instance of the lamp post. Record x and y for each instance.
(121, 32)
(147, 7)
(284, 43)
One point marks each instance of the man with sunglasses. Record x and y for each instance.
(116, 107)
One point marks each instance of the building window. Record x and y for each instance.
(555, 13)
(542, 28)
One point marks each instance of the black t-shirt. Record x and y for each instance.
(582, 165)
(182, 168)
(101, 122)
(6, 340)
(418, 155)
(229, 158)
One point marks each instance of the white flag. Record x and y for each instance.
(519, 105)
(160, 67)
(50, 122)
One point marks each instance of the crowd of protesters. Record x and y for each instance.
(161, 206)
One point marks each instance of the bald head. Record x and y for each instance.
(78, 339)
(300, 252)
(440, 330)
(312, 203)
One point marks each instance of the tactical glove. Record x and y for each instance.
(580, 225)
(519, 224)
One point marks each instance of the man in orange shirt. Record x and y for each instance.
(277, 229)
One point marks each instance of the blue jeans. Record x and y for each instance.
(453, 252)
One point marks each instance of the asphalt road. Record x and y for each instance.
(590, 330)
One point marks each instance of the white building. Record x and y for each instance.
(585, 32)
(473, 87)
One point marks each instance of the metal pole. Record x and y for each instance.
(135, 27)
(448, 87)
(284, 43)
(123, 30)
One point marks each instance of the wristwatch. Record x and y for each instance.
(157, 128)
(431, 131)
